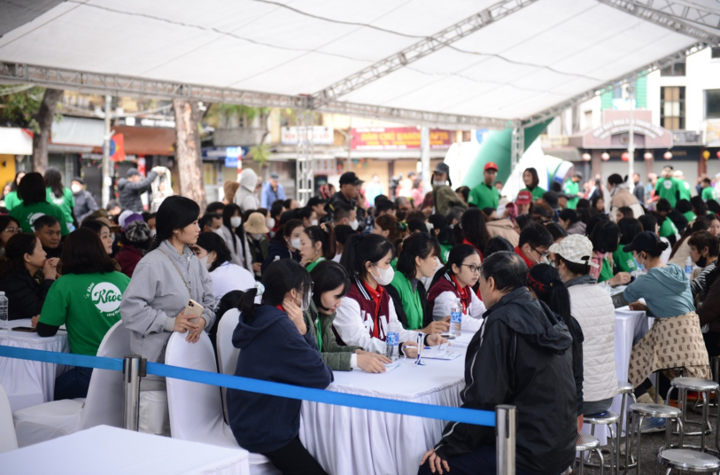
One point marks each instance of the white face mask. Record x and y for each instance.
(256, 237)
(354, 224)
(76, 188)
(218, 231)
(438, 183)
(313, 222)
(235, 221)
(295, 243)
(153, 232)
(270, 222)
(206, 262)
(385, 276)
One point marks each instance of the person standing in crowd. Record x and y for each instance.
(245, 197)
(331, 284)
(685, 193)
(525, 350)
(60, 196)
(286, 243)
(276, 345)
(443, 195)
(230, 187)
(416, 194)
(652, 179)
(485, 195)
(234, 237)
(708, 192)
(317, 244)
(87, 314)
(704, 250)
(620, 197)
(455, 281)
(531, 180)
(26, 276)
(131, 188)
(638, 189)
(216, 257)
(47, 229)
(12, 199)
(572, 190)
(473, 231)
(8, 228)
(373, 189)
(136, 242)
(534, 244)
(272, 191)
(85, 204)
(593, 308)
(256, 229)
(667, 187)
(348, 195)
(155, 300)
(31, 191)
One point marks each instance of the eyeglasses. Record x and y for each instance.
(542, 254)
(473, 269)
(12, 230)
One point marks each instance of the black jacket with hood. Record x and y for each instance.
(521, 356)
(129, 192)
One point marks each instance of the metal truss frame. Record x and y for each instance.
(305, 175)
(666, 16)
(684, 11)
(517, 146)
(610, 85)
(420, 49)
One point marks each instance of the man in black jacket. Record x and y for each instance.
(520, 356)
(131, 188)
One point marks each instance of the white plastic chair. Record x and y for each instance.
(103, 405)
(227, 354)
(196, 412)
(8, 440)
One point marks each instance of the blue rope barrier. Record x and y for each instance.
(455, 414)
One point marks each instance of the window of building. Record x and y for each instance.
(675, 69)
(715, 52)
(712, 104)
(672, 107)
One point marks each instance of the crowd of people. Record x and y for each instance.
(316, 289)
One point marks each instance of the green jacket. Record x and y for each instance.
(412, 302)
(335, 356)
(445, 198)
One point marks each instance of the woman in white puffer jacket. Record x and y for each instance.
(592, 307)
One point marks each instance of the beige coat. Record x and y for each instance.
(623, 197)
(503, 228)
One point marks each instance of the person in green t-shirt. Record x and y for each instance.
(485, 195)
(708, 192)
(667, 227)
(624, 261)
(685, 208)
(32, 191)
(531, 180)
(684, 186)
(667, 187)
(572, 190)
(12, 199)
(86, 299)
(60, 196)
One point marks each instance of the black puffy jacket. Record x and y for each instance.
(129, 192)
(521, 356)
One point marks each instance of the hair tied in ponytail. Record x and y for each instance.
(260, 288)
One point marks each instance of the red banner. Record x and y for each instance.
(398, 138)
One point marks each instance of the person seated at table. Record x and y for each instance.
(649, 223)
(8, 228)
(418, 259)
(86, 299)
(605, 237)
(26, 276)
(47, 229)
(136, 241)
(624, 261)
(365, 314)
(154, 303)
(546, 285)
(534, 243)
(285, 243)
(522, 356)
(226, 276)
(331, 284)
(593, 308)
(667, 295)
(704, 250)
(276, 345)
(709, 313)
(317, 244)
(31, 190)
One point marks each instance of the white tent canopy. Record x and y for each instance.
(466, 63)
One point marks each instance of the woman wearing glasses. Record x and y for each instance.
(8, 228)
(455, 280)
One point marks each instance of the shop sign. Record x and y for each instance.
(320, 135)
(398, 138)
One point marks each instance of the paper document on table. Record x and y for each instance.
(391, 366)
(439, 353)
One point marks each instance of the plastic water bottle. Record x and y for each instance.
(688, 267)
(456, 318)
(392, 340)
(3, 311)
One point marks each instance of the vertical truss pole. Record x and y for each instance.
(304, 166)
(517, 150)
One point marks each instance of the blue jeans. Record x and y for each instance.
(481, 462)
(73, 383)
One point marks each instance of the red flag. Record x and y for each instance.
(117, 148)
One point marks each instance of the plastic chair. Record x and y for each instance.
(227, 354)
(196, 409)
(103, 405)
(8, 439)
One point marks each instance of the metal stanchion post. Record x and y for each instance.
(505, 417)
(133, 370)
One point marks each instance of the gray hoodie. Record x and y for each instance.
(156, 294)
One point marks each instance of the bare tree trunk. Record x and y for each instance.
(187, 151)
(44, 117)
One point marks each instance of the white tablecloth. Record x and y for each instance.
(349, 440)
(111, 451)
(28, 383)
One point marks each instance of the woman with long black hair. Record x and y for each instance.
(60, 196)
(234, 235)
(276, 345)
(473, 231)
(153, 306)
(317, 244)
(286, 243)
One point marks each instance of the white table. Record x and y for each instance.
(113, 451)
(28, 383)
(349, 440)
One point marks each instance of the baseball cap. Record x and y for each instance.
(524, 198)
(490, 166)
(551, 198)
(645, 241)
(442, 167)
(350, 178)
(255, 224)
(575, 248)
(132, 172)
(275, 176)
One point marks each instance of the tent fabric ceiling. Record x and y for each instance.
(535, 58)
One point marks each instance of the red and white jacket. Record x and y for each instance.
(442, 295)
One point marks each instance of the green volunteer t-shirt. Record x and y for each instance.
(668, 228)
(12, 200)
(606, 272)
(27, 214)
(572, 189)
(668, 188)
(684, 190)
(624, 261)
(707, 194)
(88, 305)
(445, 252)
(536, 192)
(483, 196)
(690, 216)
(66, 203)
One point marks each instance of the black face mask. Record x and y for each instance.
(702, 262)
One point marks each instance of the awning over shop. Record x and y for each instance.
(146, 140)
(15, 141)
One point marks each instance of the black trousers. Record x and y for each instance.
(294, 459)
(481, 462)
